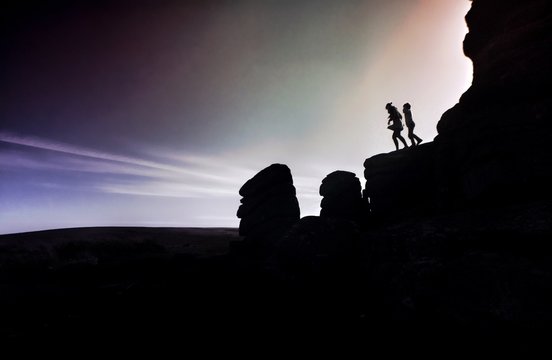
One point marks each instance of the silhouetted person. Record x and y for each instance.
(397, 126)
(410, 125)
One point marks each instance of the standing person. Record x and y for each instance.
(395, 118)
(410, 125)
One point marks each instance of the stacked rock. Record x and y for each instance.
(341, 192)
(269, 205)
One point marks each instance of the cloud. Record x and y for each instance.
(171, 175)
(158, 173)
(167, 189)
(45, 144)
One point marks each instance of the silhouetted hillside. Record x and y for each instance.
(447, 246)
(455, 235)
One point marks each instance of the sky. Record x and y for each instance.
(154, 113)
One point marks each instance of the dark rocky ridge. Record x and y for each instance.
(401, 183)
(463, 224)
(493, 146)
(465, 221)
(457, 233)
(493, 143)
(454, 253)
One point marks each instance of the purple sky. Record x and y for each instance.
(154, 113)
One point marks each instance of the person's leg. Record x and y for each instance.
(403, 141)
(414, 136)
(411, 136)
(395, 141)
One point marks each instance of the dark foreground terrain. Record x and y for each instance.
(431, 283)
(446, 251)
(109, 281)
(93, 286)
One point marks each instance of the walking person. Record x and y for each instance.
(395, 118)
(410, 125)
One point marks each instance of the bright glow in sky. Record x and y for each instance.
(156, 115)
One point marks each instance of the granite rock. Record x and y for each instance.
(269, 205)
(341, 192)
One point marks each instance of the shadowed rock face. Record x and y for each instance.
(341, 196)
(494, 143)
(269, 204)
(481, 255)
(458, 243)
(493, 146)
(401, 183)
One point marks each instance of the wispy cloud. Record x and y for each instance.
(157, 173)
(45, 144)
(167, 189)
(183, 175)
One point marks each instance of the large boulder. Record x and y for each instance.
(401, 183)
(493, 145)
(492, 148)
(341, 192)
(269, 205)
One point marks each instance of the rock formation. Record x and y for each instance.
(493, 145)
(269, 205)
(478, 276)
(341, 192)
(479, 256)
(401, 183)
(460, 240)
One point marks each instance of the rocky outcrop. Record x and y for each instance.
(493, 146)
(470, 246)
(457, 235)
(341, 192)
(401, 183)
(269, 205)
